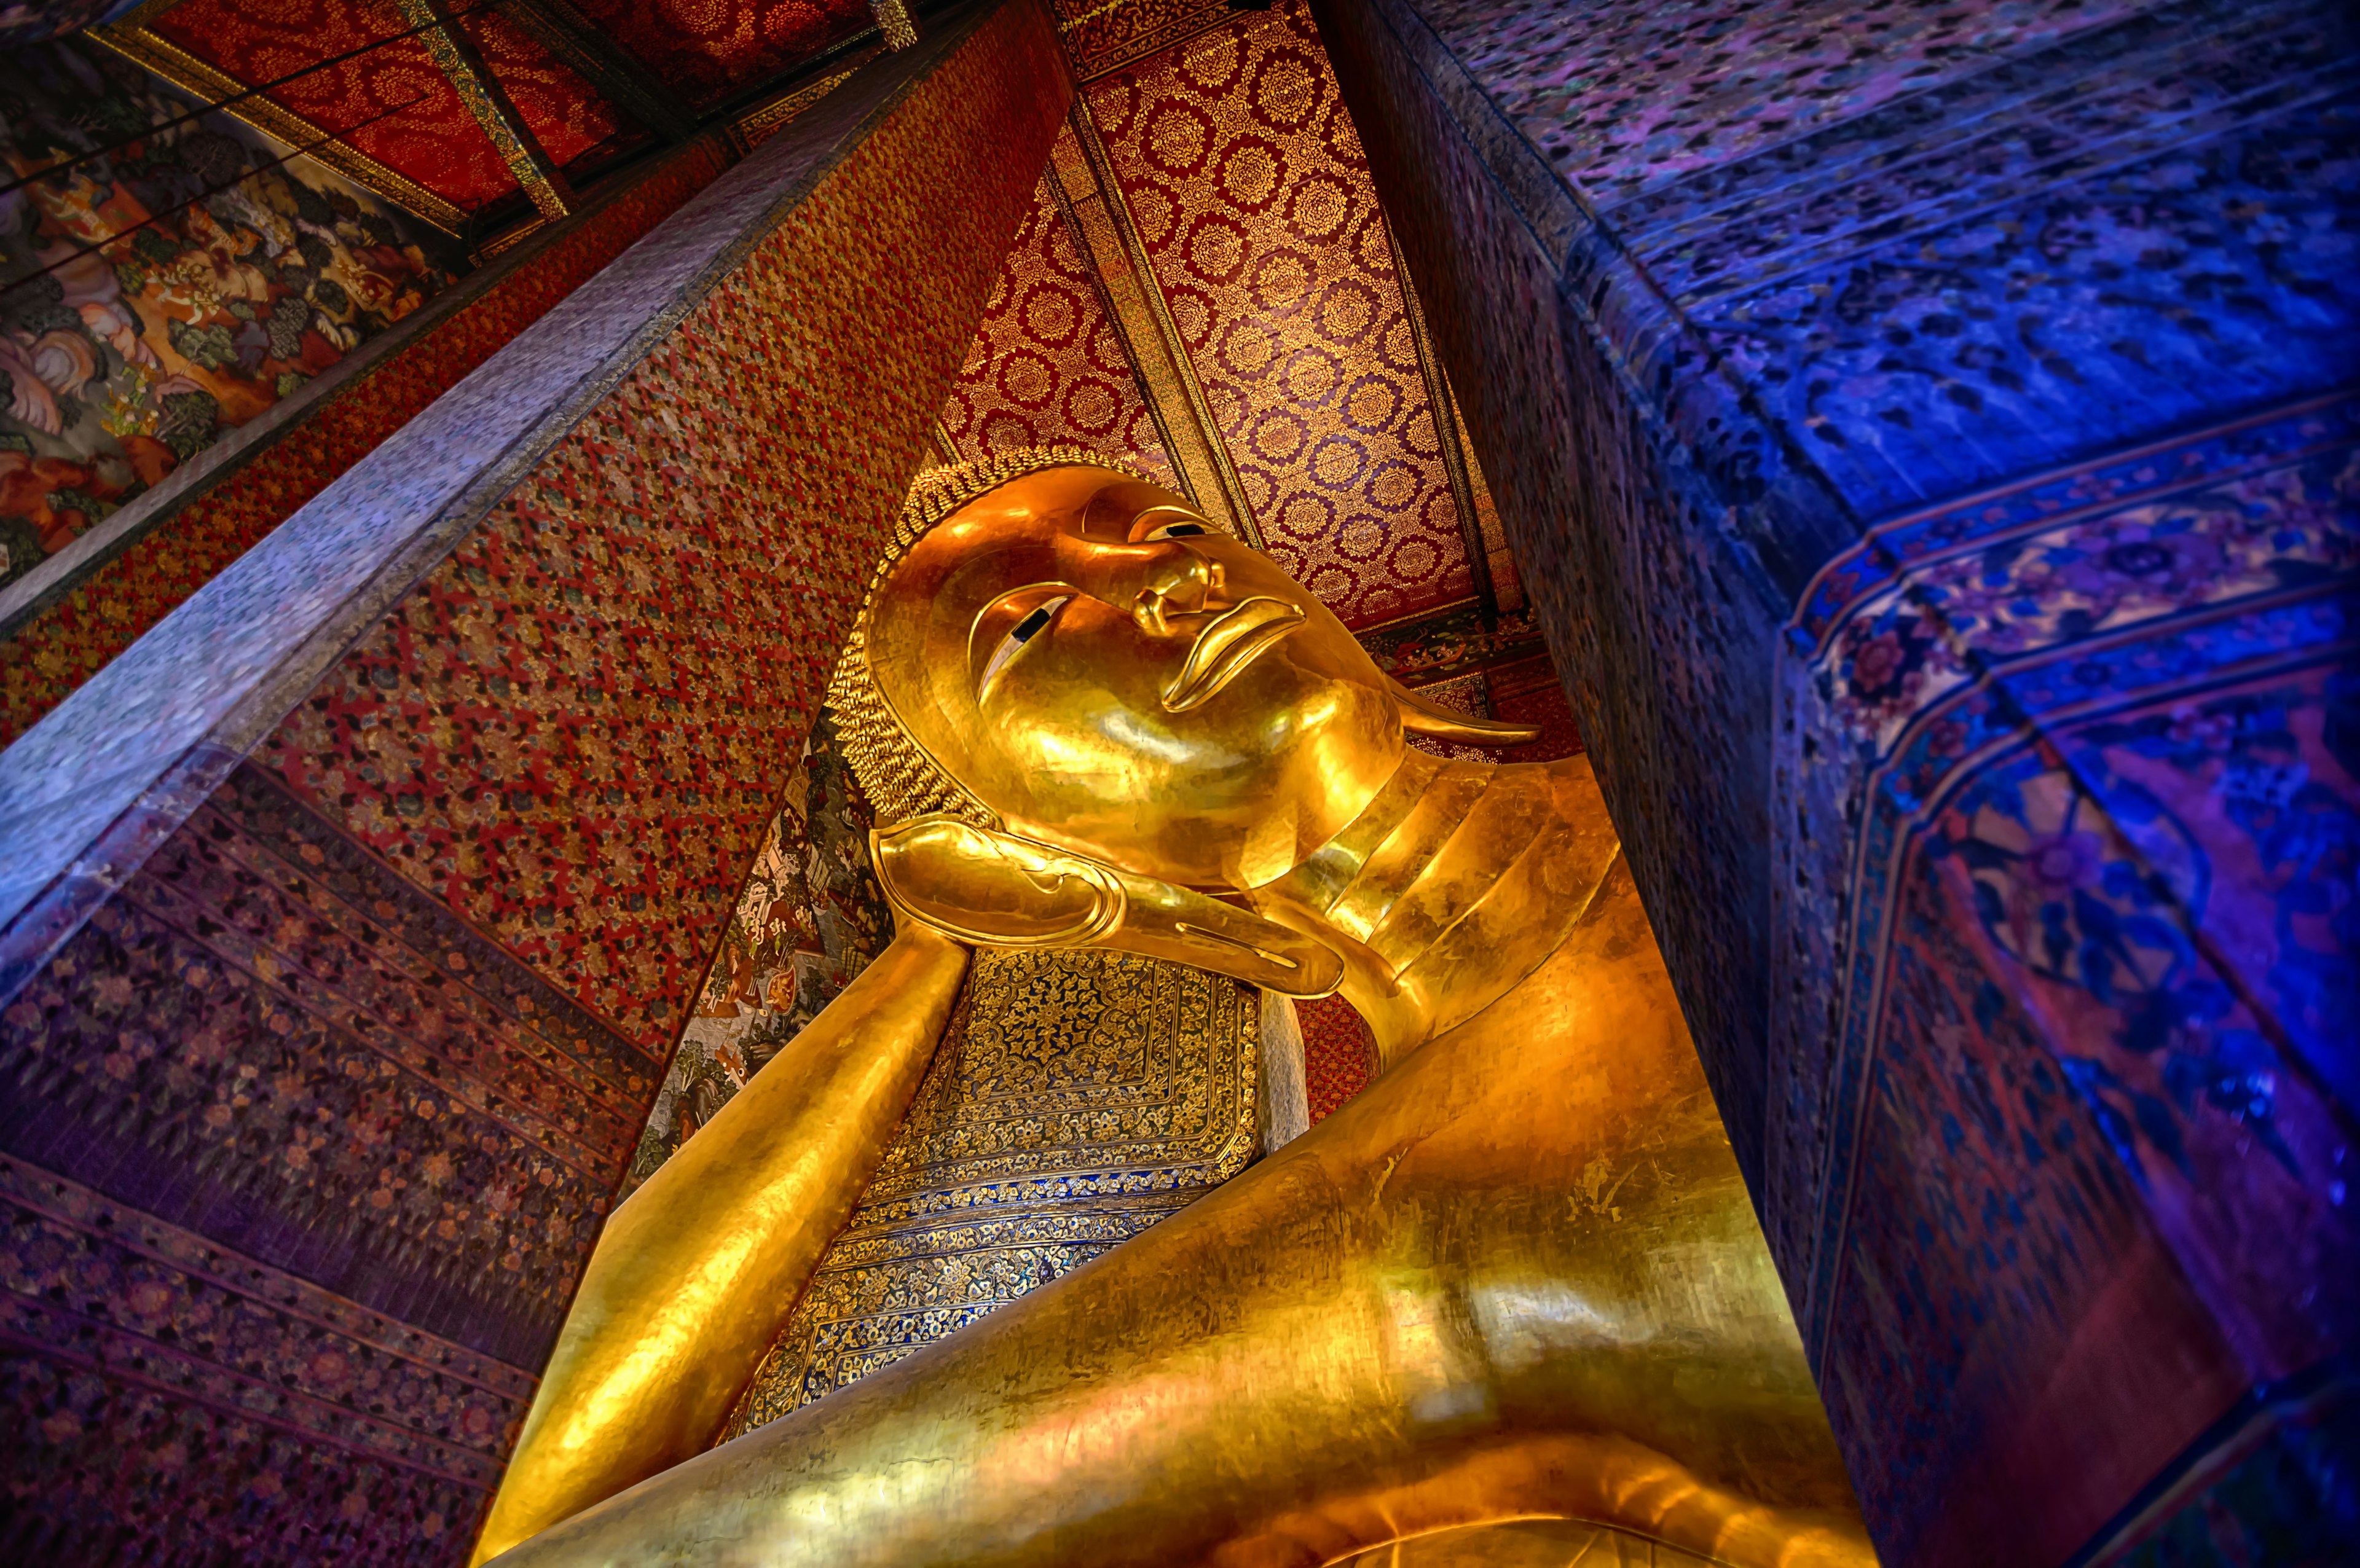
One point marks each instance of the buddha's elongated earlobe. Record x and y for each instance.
(1421, 717)
(994, 889)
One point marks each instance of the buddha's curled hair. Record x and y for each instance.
(901, 779)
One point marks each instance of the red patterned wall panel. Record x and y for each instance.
(1046, 364)
(1247, 182)
(68, 642)
(1530, 693)
(1338, 1056)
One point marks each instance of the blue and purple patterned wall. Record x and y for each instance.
(1932, 434)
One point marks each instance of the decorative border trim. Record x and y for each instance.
(1140, 48)
(1444, 410)
(756, 126)
(1108, 188)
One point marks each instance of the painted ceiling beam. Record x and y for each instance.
(617, 74)
(534, 171)
(1119, 264)
(893, 21)
(1455, 463)
(216, 89)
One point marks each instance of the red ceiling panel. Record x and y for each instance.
(434, 140)
(709, 47)
(561, 110)
(1247, 182)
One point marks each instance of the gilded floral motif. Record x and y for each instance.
(1077, 1098)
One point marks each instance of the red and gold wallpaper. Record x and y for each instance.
(1046, 364)
(1249, 189)
(569, 731)
(1339, 1058)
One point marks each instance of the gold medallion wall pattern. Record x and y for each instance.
(1078, 1097)
(1045, 366)
(1249, 189)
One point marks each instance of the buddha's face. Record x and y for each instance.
(1108, 672)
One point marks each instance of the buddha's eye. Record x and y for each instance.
(1034, 623)
(1167, 523)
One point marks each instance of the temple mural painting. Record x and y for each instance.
(809, 919)
(168, 276)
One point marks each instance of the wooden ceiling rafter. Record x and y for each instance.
(136, 41)
(613, 71)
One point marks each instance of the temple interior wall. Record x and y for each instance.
(1929, 437)
(333, 1030)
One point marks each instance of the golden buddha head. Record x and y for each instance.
(1062, 649)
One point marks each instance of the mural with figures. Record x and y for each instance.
(810, 917)
(163, 278)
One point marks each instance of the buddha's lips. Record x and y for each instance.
(1226, 647)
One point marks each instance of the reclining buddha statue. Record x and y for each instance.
(1515, 1280)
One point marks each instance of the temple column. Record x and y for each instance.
(347, 916)
(1929, 440)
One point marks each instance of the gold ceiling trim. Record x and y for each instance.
(1158, 386)
(893, 21)
(1509, 587)
(508, 239)
(756, 126)
(1138, 48)
(145, 12)
(212, 88)
(942, 446)
(456, 55)
(1103, 228)
(1443, 413)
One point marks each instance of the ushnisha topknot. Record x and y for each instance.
(900, 778)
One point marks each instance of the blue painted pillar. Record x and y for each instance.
(1931, 434)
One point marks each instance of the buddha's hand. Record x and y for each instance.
(994, 889)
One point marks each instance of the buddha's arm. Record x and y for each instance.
(695, 1271)
(1517, 1276)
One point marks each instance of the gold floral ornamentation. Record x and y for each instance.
(1080, 1098)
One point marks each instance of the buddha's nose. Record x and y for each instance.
(1176, 581)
